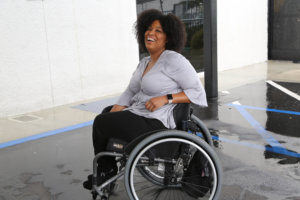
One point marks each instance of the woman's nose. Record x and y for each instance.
(151, 32)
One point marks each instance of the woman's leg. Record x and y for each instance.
(122, 125)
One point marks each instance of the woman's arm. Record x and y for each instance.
(180, 98)
(181, 70)
(157, 102)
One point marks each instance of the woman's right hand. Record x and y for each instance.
(117, 108)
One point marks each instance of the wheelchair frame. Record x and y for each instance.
(136, 158)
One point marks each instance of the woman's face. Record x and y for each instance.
(155, 37)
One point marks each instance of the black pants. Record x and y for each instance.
(122, 125)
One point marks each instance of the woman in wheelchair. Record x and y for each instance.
(160, 81)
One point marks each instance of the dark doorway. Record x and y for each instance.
(284, 30)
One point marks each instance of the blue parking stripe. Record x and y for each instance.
(278, 150)
(267, 109)
(262, 131)
(45, 134)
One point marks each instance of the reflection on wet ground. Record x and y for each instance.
(256, 129)
(256, 134)
(288, 123)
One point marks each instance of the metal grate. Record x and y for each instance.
(25, 118)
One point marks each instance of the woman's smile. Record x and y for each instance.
(155, 37)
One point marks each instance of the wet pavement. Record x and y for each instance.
(256, 132)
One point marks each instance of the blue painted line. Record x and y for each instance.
(278, 150)
(266, 109)
(275, 145)
(262, 131)
(45, 134)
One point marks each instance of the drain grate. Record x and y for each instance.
(25, 118)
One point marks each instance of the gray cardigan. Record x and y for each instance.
(171, 74)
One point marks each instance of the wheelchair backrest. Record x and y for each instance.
(181, 112)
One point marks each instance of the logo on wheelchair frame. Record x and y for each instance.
(118, 146)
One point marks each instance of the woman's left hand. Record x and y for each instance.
(156, 102)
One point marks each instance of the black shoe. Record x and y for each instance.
(101, 178)
(88, 184)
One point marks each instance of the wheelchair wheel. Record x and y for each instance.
(173, 165)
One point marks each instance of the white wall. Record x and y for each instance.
(61, 51)
(55, 52)
(242, 32)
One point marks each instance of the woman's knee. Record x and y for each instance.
(98, 120)
(103, 121)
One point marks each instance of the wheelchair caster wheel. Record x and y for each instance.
(104, 198)
(94, 195)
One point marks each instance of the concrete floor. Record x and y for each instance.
(255, 125)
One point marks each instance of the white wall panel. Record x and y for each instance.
(24, 67)
(242, 32)
(64, 66)
(107, 45)
(61, 51)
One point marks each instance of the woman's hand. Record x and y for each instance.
(156, 102)
(117, 108)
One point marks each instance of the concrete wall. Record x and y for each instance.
(61, 51)
(242, 33)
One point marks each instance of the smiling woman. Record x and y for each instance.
(160, 81)
(155, 38)
(169, 24)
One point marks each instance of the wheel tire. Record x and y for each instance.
(170, 136)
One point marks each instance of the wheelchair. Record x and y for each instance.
(168, 164)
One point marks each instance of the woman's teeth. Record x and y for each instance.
(150, 39)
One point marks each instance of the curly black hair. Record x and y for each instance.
(171, 25)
